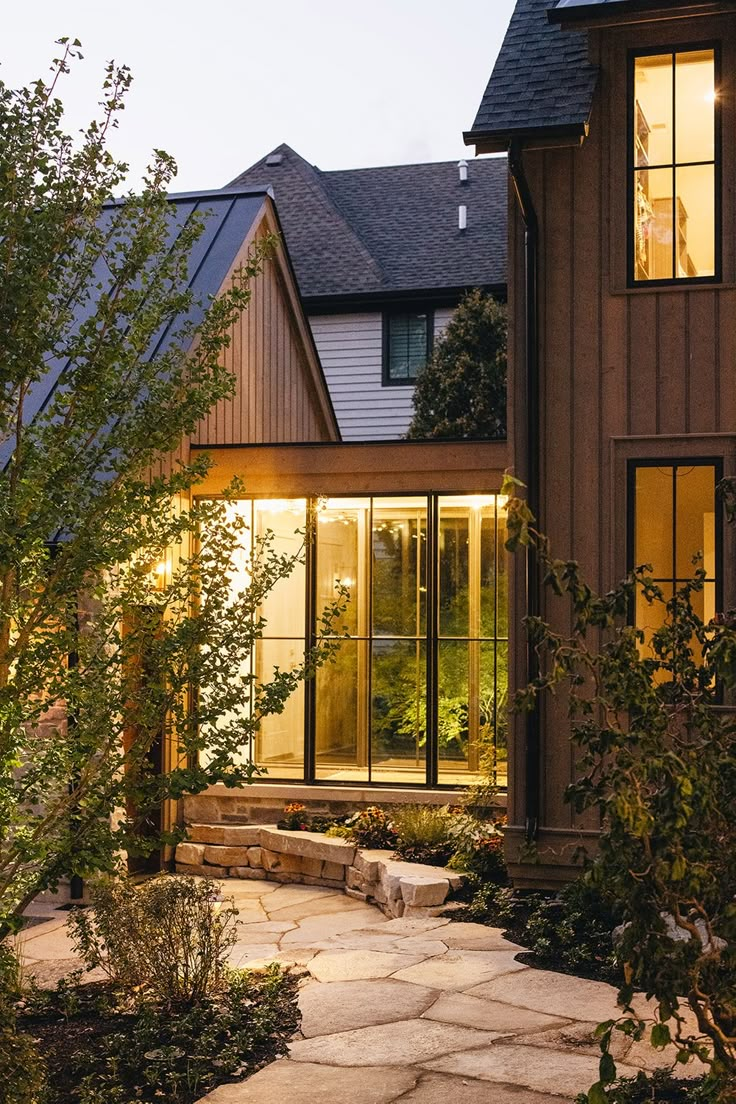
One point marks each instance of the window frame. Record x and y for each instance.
(395, 312)
(673, 50)
(632, 464)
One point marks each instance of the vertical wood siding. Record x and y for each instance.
(615, 363)
(350, 347)
(275, 398)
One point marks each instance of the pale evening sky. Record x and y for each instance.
(220, 84)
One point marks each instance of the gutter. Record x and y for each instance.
(533, 605)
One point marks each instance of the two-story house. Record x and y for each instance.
(619, 118)
(382, 257)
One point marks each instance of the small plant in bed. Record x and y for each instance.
(424, 833)
(172, 1021)
(658, 1088)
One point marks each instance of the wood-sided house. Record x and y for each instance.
(619, 118)
(382, 257)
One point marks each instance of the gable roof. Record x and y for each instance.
(387, 231)
(231, 219)
(542, 82)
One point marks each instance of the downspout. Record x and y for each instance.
(533, 605)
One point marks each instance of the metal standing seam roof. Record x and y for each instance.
(384, 231)
(230, 216)
(542, 79)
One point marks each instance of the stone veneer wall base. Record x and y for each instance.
(311, 858)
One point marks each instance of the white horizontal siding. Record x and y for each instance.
(350, 348)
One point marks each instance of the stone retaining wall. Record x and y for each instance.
(311, 858)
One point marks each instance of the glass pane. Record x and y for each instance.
(398, 711)
(653, 94)
(459, 665)
(280, 740)
(342, 721)
(653, 513)
(284, 607)
(651, 616)
(696, 220)
(454, 569)
(399, 566)
(695, 98)
(493, 577)
(653, 232)
(495, 709)
(696, 520)
(342, 538)
(407, 345)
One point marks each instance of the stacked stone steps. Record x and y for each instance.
(311, 858)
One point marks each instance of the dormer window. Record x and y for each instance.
(674, 174)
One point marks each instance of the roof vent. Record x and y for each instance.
(462, 217)
(274, 158)
(462, 170)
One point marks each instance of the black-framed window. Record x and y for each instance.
(407, 344)
(674, 525)
(674, 165)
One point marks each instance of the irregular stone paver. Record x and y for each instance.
(347, 965)
(462, 969)
(570, 998)
(544, 1070)
(406, 1043)
(316, 928)
(344, 1005)
(458, 1019)
(313, 1084)
(459, 1008)
(438, 1088)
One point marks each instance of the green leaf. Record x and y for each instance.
(661, 1036)
(597, 1094)
(607, 1069)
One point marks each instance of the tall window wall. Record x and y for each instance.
(417, 692)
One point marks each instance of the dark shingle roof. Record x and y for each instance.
(229, 217)
(542, 79)
(388, 230)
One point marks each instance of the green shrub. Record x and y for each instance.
(21, 1066)
(478, 848)
(661, 1087)
(424, 833)
(167, 939)
(369, 827)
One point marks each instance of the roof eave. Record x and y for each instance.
(580, 16)
(498, 141)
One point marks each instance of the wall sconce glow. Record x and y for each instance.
(711, 96)
(159, 575)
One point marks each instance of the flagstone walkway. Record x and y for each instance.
(411, 1011)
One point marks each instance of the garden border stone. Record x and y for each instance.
(311, 858)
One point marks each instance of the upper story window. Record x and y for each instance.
(407, 344)
(674, 166)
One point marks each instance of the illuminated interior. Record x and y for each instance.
(674, 192)
(675, 532)
(427, 608)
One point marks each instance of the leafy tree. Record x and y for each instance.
(461, 391)
(102, 659)
(658, 763)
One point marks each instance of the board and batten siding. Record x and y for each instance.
(279, 395)
(350, 347)
(625, 373)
